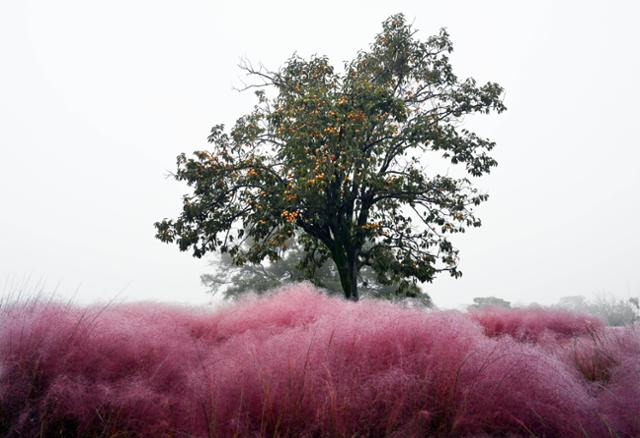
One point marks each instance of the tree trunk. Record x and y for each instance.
(346, 266)
(353, 278)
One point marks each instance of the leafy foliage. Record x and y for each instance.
(338, 156)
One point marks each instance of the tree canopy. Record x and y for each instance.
(339, 157)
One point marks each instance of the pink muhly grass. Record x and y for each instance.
(619, 393)
(534, 324)
(299, 363)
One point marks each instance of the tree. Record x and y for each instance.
(483, 302)
(338, 156)
(233, 281)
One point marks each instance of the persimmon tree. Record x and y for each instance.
(341, 158)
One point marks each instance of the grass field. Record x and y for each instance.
(299, 363)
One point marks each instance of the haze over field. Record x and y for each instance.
(98, 99)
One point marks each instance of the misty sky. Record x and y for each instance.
(98, 98)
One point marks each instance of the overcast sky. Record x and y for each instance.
(98, 98)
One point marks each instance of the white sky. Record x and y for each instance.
(98, 98)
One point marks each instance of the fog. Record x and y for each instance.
(98, 98)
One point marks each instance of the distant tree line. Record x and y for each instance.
(612, 311)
